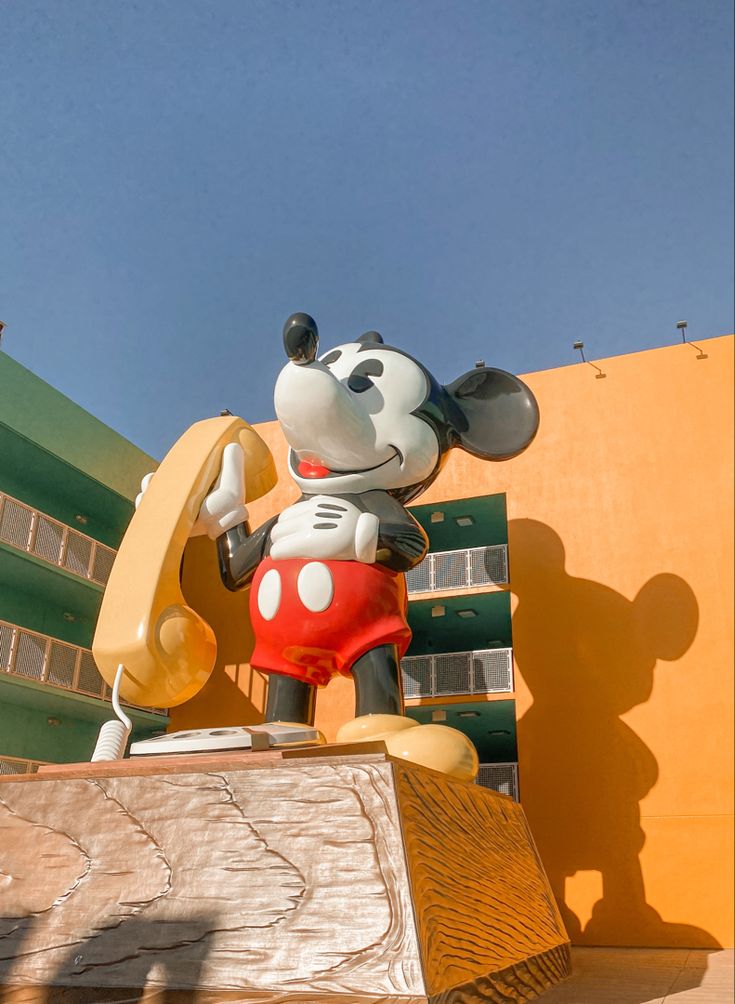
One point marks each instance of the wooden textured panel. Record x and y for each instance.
(524, 981)
(286, 881)
(273, 879)
(154, 995)
(482, 901)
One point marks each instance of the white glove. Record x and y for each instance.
(143, 485)
(325, 527)
(224, 506)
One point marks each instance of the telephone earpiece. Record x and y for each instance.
(168, 651)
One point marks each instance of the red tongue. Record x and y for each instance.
(310, 469)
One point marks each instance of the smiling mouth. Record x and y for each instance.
(313, 468)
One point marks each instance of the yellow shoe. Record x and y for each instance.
(436, 746)
(373, 727)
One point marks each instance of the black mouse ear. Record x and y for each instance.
(499, 414)
(371, 336)
(301, 338)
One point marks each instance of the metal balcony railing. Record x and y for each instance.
(39, 657)
(501, 777)
(472, 566)
(54, 542)
(486, 671)
(19, 765)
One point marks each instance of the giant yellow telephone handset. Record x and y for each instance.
(167, 650)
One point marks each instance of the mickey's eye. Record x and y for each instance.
(331, 357)
(359, 379)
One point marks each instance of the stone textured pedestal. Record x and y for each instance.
(270, 877)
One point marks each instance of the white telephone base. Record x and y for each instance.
(231, 737)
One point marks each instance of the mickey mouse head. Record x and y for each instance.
(368, 416)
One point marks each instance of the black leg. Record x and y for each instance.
(290, 700)
(377, 676)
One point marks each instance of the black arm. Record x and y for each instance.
(240, 552)
(402, 543)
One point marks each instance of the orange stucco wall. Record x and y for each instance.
(620, 533)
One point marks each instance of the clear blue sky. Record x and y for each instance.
(474, 178)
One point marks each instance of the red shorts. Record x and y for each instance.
(314, 619)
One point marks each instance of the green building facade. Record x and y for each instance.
(462, 644)
(67, 484)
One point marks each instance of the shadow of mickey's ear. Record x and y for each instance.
(666, 615)
(536, 546)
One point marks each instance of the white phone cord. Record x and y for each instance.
(113, 735)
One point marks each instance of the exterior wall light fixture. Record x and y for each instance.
(464, 520)
(437, 517)
(682, 326)
(579, 346)
(466, 613)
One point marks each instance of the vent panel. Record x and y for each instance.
(78, 553)
(17, 765)
(102, 563)
(54, 542)
(53, 662)
(418, 578)
(488, 565)
(49, 540)
(15, 524)
(450, 569)
(90, 681)
(7, 634)
(500, 777)
(488, 671)
(447, 570)
(29, 656)
(8, 766)
(62, 662)
(493, 671)
(417, 676)
(452, 674)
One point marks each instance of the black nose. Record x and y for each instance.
(300, 338)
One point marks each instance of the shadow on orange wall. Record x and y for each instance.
(234, 694)
(588, 655)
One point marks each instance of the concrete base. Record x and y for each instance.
(301, 876)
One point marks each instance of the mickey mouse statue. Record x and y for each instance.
(369, 429)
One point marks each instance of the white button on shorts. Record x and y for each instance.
(269, 594)
(315, 586)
